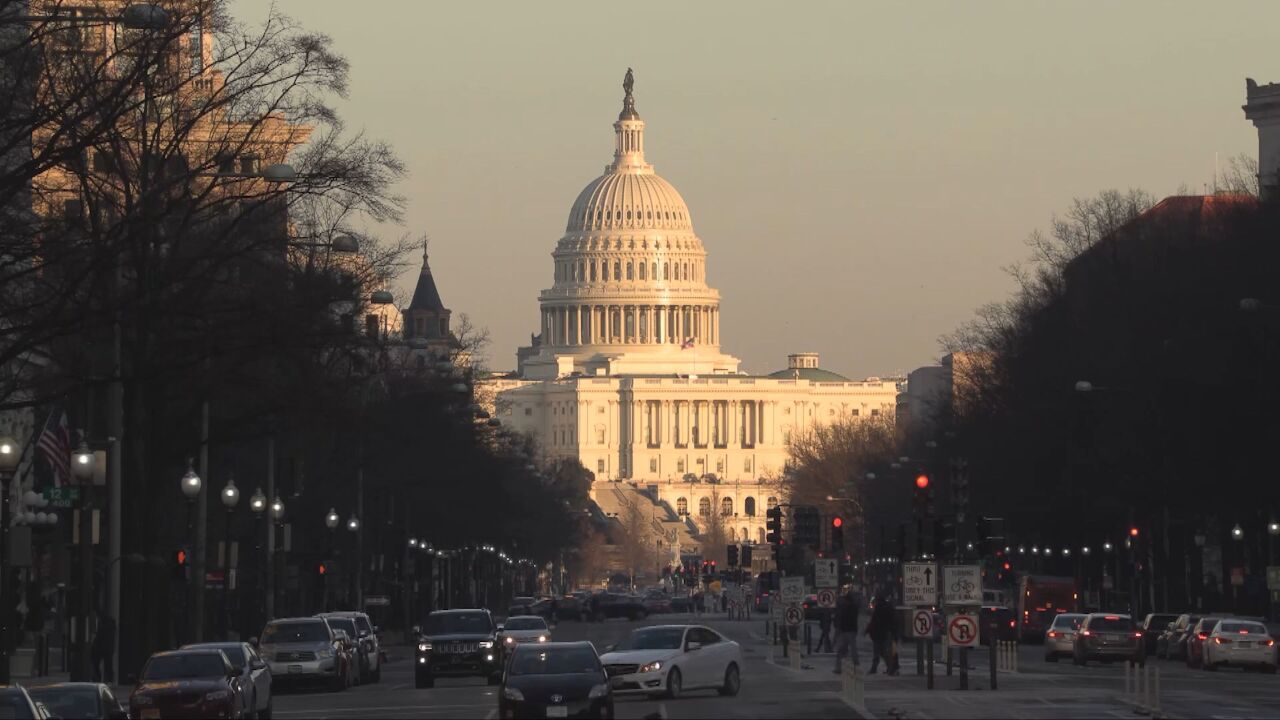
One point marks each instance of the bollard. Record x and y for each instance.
(1155, 695)
(928, 661)
(964, 668)
(949, 660)
(919, 657)
(808, 639)
(1128, 686)
(1013, 650)
(991, 662)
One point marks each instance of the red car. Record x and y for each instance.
(187, 684)
(1196, 638)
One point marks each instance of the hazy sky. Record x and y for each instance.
(858, 172)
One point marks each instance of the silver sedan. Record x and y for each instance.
(1059, 638)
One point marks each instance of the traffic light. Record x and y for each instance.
(321, 569)
(807, 531)
(181, 566)
(746, 557)
(837, 534)
(920, 496)
(773, 525)
(731, 556)
(960, 487)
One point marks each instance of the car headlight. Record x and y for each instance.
(509, 640)
(142, 700)
(218, 695)
(486, 644)
(542, 638)
(324, 653)
(599, 691)
(654, 666)
(424, 647)
(512, 694)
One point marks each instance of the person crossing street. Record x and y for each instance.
(846, 625)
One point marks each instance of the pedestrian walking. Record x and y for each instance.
(846, 626)
(100, 653)
(882, 632)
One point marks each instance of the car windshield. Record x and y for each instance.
(346, 624)
(554, 661)
(1110, 623)
(65, 702)
(653, 639)
(182, 666)
(1160, 621)
(457, 624)
(362, 622)
(234, 653)
(526, 623)
(1208, 624)
(14, 705)
(1067, 622)
(295, 632)
(1242, 628)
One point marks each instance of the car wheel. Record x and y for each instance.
(674, 684)
(732, 681)
(423, 680)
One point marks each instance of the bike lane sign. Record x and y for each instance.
(919, 584)
(962, 585)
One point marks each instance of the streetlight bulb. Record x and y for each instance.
(82, 462)
(1022, 550)
(191, 482)
(1066, 552)
(1106, 546)
(353, 523)
(1084, 386)
(1085, 549)
(230, 494)
(1237, 532)
(331, 520)
(258, 502)
(1273, 527)
(277, 509)
(413, 542)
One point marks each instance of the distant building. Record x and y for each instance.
(626, 373)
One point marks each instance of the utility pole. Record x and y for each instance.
(271, 529)
(360, 538)
(199, 561)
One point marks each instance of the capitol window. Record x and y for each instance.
(749, 507)
(617, 270)
(682, 506)
(653, 464)
(642, 267)
(704, 507)
(528, 411)
(600, 466)
(726, 507)
(630, 273)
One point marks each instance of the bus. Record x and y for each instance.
(1040, 599)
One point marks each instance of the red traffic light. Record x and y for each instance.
(322, 569)
(922, 481)
(182, 557)
(1133, 532)
(837, 522)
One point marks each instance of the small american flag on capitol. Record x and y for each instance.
(54, 444)
(688, 343)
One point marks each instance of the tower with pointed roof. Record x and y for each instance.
(426, 320)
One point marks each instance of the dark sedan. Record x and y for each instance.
(187, 684)
(555, 680)
(79, 700)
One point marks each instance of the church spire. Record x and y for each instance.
(628, 155)
(425, 295)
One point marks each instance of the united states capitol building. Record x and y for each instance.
(626, 371)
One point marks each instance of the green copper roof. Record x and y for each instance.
(814, 374)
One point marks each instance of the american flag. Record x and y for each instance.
(55, 445)
(688, 343)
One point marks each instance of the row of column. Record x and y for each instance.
(570, 325)
(702, 423)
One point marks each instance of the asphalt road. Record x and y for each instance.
(768, 691)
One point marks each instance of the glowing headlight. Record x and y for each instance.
(509, 640)
(218, 695)
(424, 647)
(654, 666)
(486, 644)
(325, 653)
(542, 638)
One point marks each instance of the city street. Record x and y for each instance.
(773, 689)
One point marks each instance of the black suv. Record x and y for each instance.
(458, 643)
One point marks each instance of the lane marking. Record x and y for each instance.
(373, 710)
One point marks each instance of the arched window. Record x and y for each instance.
(745, 535)
(682, 506)
(760, 536)
(617, 270)
(593, 271)
(655, 271)
(642, 269)
(630, 273)
(771, 503)
(704, 507)
(726, 506)
(749, 507)
(579, 278)
(666, 272)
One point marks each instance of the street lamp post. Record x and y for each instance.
(82, 470)
(1237, 534)
(331, 521)
(258, 506)
(353, 526)
(10, 454)
(230, 498)
(191, 485)
(1273, 531)
(277, 519)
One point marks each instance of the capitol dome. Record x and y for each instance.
(629, 201)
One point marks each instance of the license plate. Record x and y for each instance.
(295, 668)
(150, 713)
(557, 711)
(1246, 644)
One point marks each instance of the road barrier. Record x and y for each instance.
(1142, 688)
(1007, 655)
(852, 687)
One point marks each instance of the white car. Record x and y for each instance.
(671, 659)
(524, 629)
(1240, 643)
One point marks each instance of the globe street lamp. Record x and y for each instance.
(353, 526)
(258, 502)
(258, 506)
(1237, 532)
(191, 482)
(82, 463)
(353, 523)
(331, 520)
(277, 510)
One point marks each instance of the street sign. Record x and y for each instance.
(1273, 577)
(962, 631)
(376, 601)
(922, 624)
(919, 584)
(792, 590)
(825, 574)
(794, 615)
(827, 598)
(963, 585)
(64, 496)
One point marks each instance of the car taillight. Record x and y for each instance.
(1138, 635)
(1053, 633)
(1202, 636)
(1085, 633)
(1221, 641)
(1012, 623)
(1270, 642)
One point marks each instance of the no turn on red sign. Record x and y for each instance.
(922, 624)
(962, 630)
